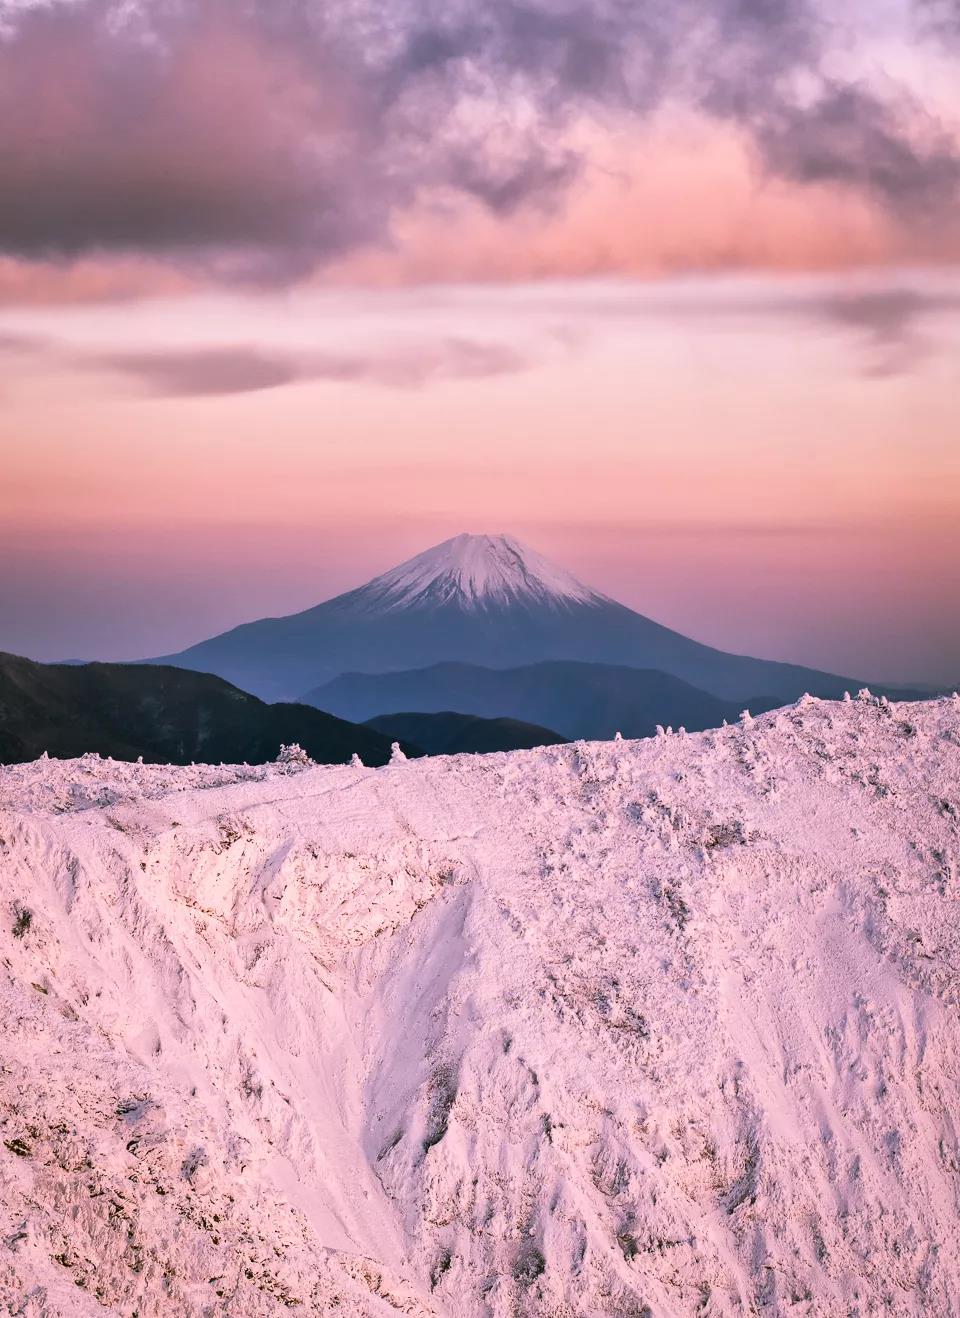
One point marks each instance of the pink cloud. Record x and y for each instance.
(214, 143)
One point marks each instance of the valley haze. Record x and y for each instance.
(480, 599)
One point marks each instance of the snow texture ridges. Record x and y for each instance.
(665, 1027)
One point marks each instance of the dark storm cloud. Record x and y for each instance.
(851, 138)
(607, 51)
(265, 136)
(215, 132)
(211, 372)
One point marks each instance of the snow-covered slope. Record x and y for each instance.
(666, 1028)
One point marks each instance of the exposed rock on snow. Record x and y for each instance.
(666, 1027)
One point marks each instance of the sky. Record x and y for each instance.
(290, 291)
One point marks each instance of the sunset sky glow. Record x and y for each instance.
(289, 292)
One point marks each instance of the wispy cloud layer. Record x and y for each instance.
(233, 370)
(205, 370)
(885, 325)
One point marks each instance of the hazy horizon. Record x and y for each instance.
(684, 583)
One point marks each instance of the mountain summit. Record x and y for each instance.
(478, 572)
(485, 600)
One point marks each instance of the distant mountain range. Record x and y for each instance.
(592, 701)
(449, 733)
(488, 601)
(478, 644)
(167, 715)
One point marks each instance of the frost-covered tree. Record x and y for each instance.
(294, 756)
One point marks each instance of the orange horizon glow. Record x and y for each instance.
(727, 459)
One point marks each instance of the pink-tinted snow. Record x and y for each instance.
(665, 1027)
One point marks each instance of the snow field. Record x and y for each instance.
(665, 1027)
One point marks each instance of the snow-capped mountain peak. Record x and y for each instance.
(478, 571)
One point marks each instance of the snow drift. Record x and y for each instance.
(637, 1028)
